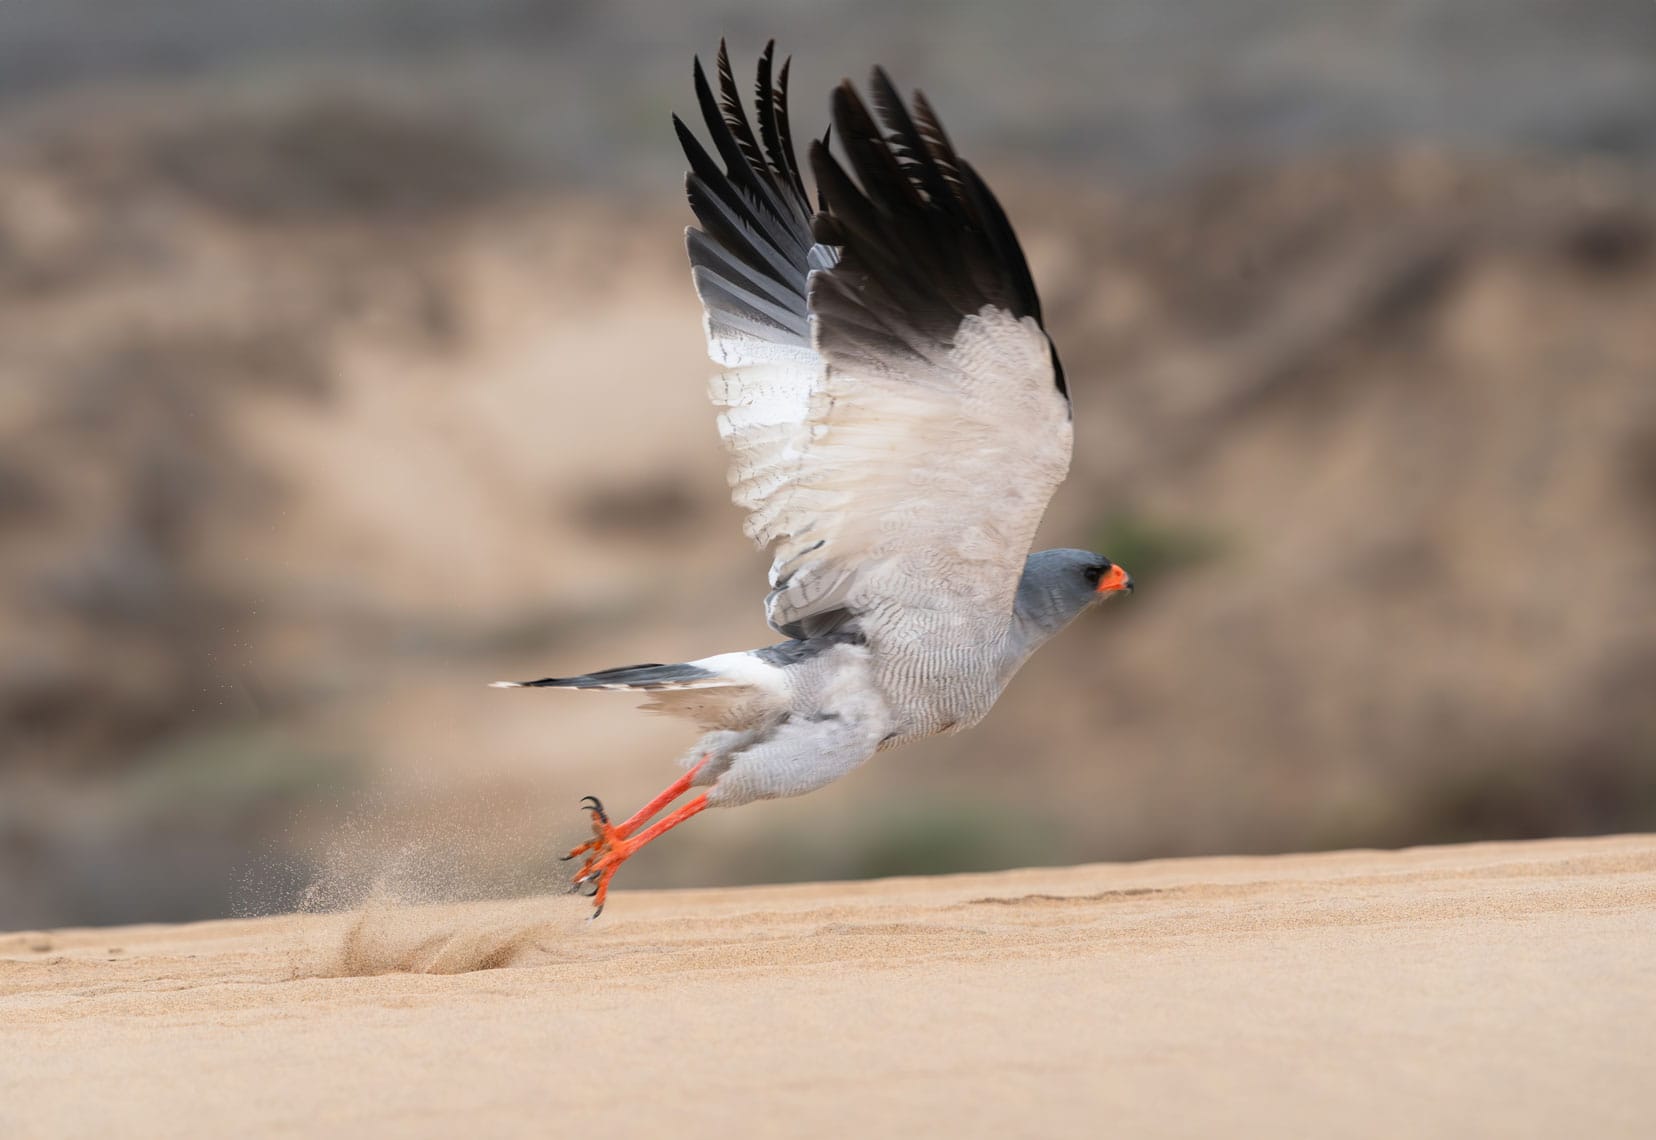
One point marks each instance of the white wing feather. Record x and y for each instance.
(894, 436)
(874, 485)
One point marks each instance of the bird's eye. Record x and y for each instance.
(1093, 574)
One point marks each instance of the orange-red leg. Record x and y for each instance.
(600, 819)
(613, 844)
(673, 791)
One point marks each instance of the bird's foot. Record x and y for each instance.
(612, 844)
(609, 847)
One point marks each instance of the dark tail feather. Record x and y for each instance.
(626, 677)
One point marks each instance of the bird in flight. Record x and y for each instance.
(896, 419)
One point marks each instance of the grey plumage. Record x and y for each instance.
(1054, 589)
(795, 652)
(897, 420)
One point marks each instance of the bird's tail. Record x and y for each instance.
(646, 678)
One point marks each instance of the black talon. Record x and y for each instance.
(596, 808)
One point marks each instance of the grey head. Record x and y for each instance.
(1057, 585)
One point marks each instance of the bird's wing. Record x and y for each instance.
(895, 413)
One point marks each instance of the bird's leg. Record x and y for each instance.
(610, 849)
(613, 844)
(601, 827)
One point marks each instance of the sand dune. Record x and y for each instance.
(1491, 990)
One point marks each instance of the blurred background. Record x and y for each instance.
(348, 361)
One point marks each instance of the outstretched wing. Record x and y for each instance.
(895, 413)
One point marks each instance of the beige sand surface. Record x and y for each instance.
(1492, 990)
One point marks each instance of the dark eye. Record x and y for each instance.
(1093, 574)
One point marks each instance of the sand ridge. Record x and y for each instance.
(1495, 989)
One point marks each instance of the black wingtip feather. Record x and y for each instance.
(749, 200)
(921, 241)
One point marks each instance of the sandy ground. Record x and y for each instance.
(1492, 990)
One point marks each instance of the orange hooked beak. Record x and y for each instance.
(1114, 581)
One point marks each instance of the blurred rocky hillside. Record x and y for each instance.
(317, 415)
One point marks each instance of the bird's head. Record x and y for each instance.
(1058, 584)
